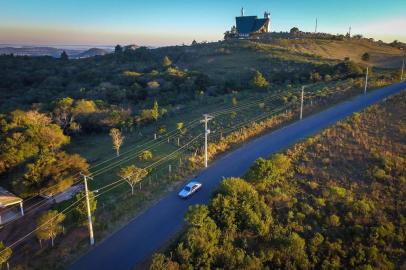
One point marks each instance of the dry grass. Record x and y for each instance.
(381, 55)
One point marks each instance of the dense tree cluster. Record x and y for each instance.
(30, 144)
(129, 78)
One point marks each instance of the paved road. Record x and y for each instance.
(146, 233)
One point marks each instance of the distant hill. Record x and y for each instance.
(91, 52)
(36, 51)
(51, 51)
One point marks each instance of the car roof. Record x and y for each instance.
(192, 183)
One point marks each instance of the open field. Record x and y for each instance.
(237, 59)
(382, 55)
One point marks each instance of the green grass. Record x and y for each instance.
(98, 148)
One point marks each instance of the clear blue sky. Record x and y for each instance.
(162, 22)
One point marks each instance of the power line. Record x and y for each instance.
(155, 164)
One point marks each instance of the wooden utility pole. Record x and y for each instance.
(89, 213)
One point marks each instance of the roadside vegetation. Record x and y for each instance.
(131, 120)
(334, 201)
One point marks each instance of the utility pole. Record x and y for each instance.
(301, 104)
(366, 82)
(349, 32)
(89, 214)
(206, 119)
(403, 67)
(315, 29)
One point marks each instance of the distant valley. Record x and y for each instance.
(78, 52)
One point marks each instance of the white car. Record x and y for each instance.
(189, 189)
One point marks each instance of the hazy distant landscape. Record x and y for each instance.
(73, 52)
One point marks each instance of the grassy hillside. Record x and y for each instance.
(382, 55)
(232, 60)
(334, 201)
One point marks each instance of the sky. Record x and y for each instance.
(165, 22)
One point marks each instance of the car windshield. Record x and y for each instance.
(187, 188)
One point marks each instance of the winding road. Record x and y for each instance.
(151, 229)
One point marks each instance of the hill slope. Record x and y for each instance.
(382, 55)
(237, 59)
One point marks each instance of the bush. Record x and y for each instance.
(146, 155)
(259, 81)
(365, 57)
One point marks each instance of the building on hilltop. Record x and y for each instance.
(249, 26)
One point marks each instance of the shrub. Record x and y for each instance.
(380, 174)
(259, 81)
(334, 221)
(146, 155)
(365, 57)
(153, 85)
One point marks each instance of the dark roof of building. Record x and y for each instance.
(249, 24)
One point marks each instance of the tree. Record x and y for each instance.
(146, 155)
(118, 49)
(166, 62)
(365, 57)
(291, 253)
(238, 207)
(62, 112)
(269, 170)
(162, 129)
(5, 254)
(197, 215)
(132, 175)
(160, 262)
(25, 134)
(155, 111)
(81, 209)
(201, 238)
(83, 106)
(294, 31)
(117, 139)
(334, 220)
(259, 81)
(180, 127)
(52, 173)
(234, 101)
(49, 226)
(64, 56)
